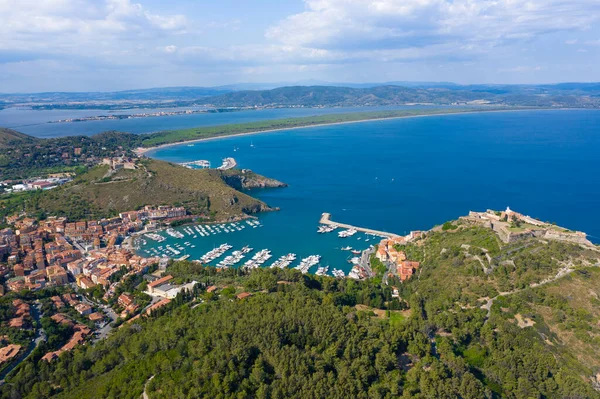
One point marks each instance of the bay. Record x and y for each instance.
(411, 174)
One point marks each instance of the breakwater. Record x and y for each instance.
(326, 219)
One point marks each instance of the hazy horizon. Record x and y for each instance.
(114, 45)
(273, 85)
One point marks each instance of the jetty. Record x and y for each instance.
(228, 163)
(326, 219)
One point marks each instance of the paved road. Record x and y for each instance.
(104, 331)
(365, 260)
(40, 336)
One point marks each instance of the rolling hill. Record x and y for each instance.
(303, 336)
(97, 193)
(10, 138)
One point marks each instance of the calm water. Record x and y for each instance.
(35, 123)
(411, 174)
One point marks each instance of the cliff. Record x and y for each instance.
(245, 179)
(93, 195)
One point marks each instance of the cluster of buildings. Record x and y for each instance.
(154, 213)
(80, 332)
(127, 302)
(22, 315)
(389, 255)
(511, 226)
(119, 163)
(164, 287)
(82, 308)
(38, 183)
(53, 252)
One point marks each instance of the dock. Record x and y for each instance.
(202, 163)
(326, 219)
(228, 163)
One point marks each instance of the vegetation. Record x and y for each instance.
(569, 95)
(10, 138)
(97, 193)
(309, 336)
(175, 136)
(27, 156)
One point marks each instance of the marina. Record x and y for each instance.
(388, 205)
(205, 243)
(200, 164)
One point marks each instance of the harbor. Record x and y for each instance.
(254, 243)
(228, 163)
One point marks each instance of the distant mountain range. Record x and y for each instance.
(564, 95)
(585, 95)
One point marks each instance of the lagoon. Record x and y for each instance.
(35, 122)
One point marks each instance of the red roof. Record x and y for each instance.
(243, 295)
(160, 281)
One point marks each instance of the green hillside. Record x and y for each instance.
(9, 137)
(302, 336)
(97, 194)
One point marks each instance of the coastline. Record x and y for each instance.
(144, 151)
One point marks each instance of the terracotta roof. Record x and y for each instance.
(244, 295)
(160, 281)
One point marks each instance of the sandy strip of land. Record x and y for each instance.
(141, 150)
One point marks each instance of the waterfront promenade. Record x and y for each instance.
(326, 219)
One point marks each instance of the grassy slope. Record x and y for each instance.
(566, 315)
(161, 183)
(453, 286)
(10, 138)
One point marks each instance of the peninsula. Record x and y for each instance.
(152, 141)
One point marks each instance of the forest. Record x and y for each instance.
(303, 336)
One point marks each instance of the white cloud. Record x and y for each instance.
(521, 69)
(393, 24)
(170, 49)
(80, 25)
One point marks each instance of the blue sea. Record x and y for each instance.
(411, 174)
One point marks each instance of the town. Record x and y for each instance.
(77, 258)
(89, 268)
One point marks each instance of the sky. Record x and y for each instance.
(106, 45)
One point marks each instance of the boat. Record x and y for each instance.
(347, 233)
(307, 263)
(155, 237)
(356, 251)
(326, 229)
(338, 273)
(258, 259)
(174, 233)
(284, 261)
(215, 253)
(348, 248)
